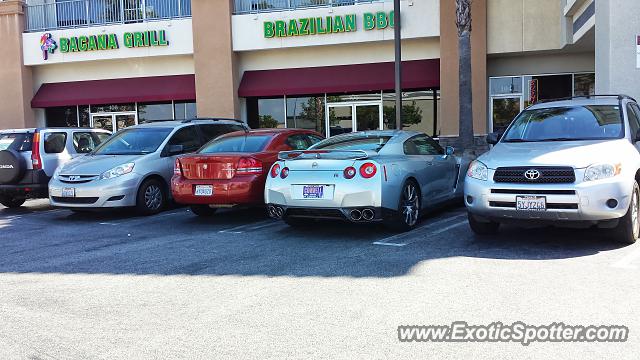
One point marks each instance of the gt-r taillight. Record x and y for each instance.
(177, 168)
(368, 170)
(349, 172)
(249, 166)
(275, 170)
(284, 173)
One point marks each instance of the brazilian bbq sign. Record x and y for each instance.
(101, 42)
(327, 25)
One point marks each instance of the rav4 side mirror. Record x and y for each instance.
(493, 138)
(449, 150)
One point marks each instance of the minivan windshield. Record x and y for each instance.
(566, 123)
(353, 142)
(137, 141)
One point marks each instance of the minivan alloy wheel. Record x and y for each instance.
(153, 197)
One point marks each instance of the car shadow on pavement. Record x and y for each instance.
(246, 242)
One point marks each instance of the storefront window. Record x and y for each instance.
(547, 87)
(85, 116)
(418, 111)
(506, 85)
(185, 110)
(374, 96)
(113, 108)
(306, 113)
(584, 84)
(155, 111)
(65, 116)
(271, 113)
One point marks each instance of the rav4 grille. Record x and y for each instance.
(535, 175)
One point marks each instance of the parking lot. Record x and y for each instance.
(239, 285)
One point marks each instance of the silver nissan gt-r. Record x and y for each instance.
(374, 176)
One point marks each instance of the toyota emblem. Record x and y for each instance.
(314, 165)
(74, 178)
(532, 174)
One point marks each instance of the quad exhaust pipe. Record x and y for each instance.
(368, 214)
(276, 212)
(364, 214)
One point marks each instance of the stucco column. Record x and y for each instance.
(215, 62)
(449, 67)
(16, 84)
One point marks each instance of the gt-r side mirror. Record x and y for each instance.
(449, 150)
(493, 138)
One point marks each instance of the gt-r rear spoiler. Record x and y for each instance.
(323, 154)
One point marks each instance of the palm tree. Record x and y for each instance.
(463, 23)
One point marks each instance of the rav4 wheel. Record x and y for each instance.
(483, 228)
(12, 202)
(151, 197)
(203, 210)
(628, 229)
(409, 206)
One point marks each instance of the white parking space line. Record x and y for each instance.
(242, 228)
(393, 240)
(630, 260)
(141, 219)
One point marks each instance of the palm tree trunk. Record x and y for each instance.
(463, 22)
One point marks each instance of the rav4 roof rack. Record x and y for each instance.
(620, 97)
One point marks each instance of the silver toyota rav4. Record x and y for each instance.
(564, 163)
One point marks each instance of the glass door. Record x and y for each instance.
(125, 120)
(349, 117)
(503, 110)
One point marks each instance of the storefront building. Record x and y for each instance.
(322, 65)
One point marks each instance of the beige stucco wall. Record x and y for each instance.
(217, 77)
(329, 55)
(523, 25)
(16, 87)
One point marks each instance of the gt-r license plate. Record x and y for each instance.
(203, 190)
(312, 192)
(531, 203)
(68, 192)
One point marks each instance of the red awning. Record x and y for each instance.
(418, 74)
(145, 89)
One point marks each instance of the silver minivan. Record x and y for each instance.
(134, 167)
(29, 157)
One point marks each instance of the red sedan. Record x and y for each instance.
(232, 169)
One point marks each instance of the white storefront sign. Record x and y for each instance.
(158, 38)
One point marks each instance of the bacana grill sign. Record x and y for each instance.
(86, 43)
(327, 25)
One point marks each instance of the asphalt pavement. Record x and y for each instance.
(112, 285)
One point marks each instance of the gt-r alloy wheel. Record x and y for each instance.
(410, 204)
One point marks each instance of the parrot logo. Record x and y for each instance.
(47, 45)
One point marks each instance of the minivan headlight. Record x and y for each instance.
(117, 171)
(602, 171)
(478, 170)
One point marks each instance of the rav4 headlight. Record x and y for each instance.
(117, 171)
(602, 171)
(478, 170)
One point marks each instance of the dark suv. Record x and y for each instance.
(29, 157)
